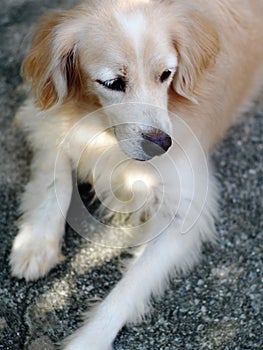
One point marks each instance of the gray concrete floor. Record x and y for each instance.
(216, 306)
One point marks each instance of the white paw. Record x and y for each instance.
(84, 339)
(33, 256)
(85, 346)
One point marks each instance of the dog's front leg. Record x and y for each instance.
(171, 251)
(36, 248)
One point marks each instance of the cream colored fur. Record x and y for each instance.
(214, 51)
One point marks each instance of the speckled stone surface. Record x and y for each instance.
(218, 305)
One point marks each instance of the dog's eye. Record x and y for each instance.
(165, 75)
(117, 84)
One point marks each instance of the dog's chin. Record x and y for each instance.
(131, 145)
(136, 154)
(141, 159)
(142, 151)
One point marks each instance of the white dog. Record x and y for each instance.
(132, 95)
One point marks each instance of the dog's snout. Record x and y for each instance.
(156, 142)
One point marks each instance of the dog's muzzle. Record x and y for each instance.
(142, 144)
(156, 143)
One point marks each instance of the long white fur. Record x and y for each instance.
(180, 193)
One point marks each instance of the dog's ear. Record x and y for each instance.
(52, 65)
(197, 44)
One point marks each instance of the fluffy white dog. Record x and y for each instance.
(132, 95)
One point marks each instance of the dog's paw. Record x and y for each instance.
(32, 257)
(78, 344)
(84, 339)
(86, 346)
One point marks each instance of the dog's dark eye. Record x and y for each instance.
(117, 84)
(165, 75)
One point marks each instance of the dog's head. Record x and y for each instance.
(126, 54)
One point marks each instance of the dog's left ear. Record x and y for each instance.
(197, 43)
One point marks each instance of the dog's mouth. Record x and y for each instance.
(143, 146)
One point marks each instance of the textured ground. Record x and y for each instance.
(216, 306)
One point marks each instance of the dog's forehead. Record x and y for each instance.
(146, 37)
(133, 25)
(128, 42)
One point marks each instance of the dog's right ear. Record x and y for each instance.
(197, 43)
(52, 65)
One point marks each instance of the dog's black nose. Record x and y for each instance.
(156, 142)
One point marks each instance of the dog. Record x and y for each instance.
(132, 96)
